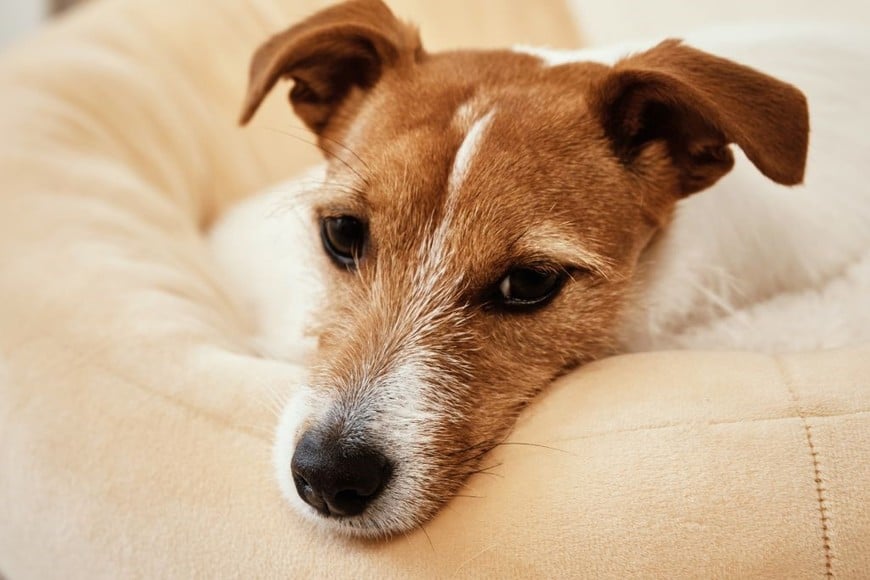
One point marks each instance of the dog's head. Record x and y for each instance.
(485, 213)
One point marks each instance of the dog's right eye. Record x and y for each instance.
(527, 287)
(343, 239)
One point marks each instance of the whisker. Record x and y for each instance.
(349, 150)
(486, 471)
(431, 545)
(476, 456)
(489, 446)
(307, 131)
(472, 446)
(320, 147)
(302, 193)
(525, 444)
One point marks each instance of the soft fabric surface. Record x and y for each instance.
(135, 423)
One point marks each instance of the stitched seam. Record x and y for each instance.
(817, 472)
(711, 423)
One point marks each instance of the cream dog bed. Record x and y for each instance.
(135, 422)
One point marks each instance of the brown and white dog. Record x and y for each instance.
(494, 219)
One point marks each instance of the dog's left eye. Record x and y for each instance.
(529, 287)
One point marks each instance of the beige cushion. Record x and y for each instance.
(135, 423)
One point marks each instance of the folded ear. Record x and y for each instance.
(696, 104)
(335, 50)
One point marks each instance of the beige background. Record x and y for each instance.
(601, 21)
(604, 21)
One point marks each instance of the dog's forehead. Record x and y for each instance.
(481, 153)
(467, 178)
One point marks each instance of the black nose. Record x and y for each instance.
(337, 478)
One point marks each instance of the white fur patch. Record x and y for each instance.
(296, 411)
(432, 253)
(465, 116)
(269, 255)
(466, 152)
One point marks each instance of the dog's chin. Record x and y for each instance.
(402, 506)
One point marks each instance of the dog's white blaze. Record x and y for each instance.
(432, 252)
(466, 153)
(433, 292)
(465, 116)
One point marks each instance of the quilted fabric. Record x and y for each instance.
(135, 423)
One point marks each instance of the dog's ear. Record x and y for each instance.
(338, 49)
(692, 105)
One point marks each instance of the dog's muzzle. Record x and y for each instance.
(337, 477)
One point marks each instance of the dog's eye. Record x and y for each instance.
(343, 239)
(529, 287)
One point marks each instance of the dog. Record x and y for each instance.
(489, 220)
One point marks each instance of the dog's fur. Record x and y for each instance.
(467, 164)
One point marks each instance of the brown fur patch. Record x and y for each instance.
(576, 156)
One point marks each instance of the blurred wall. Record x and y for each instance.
(604, 21)
(17, 17)
(600, 21)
